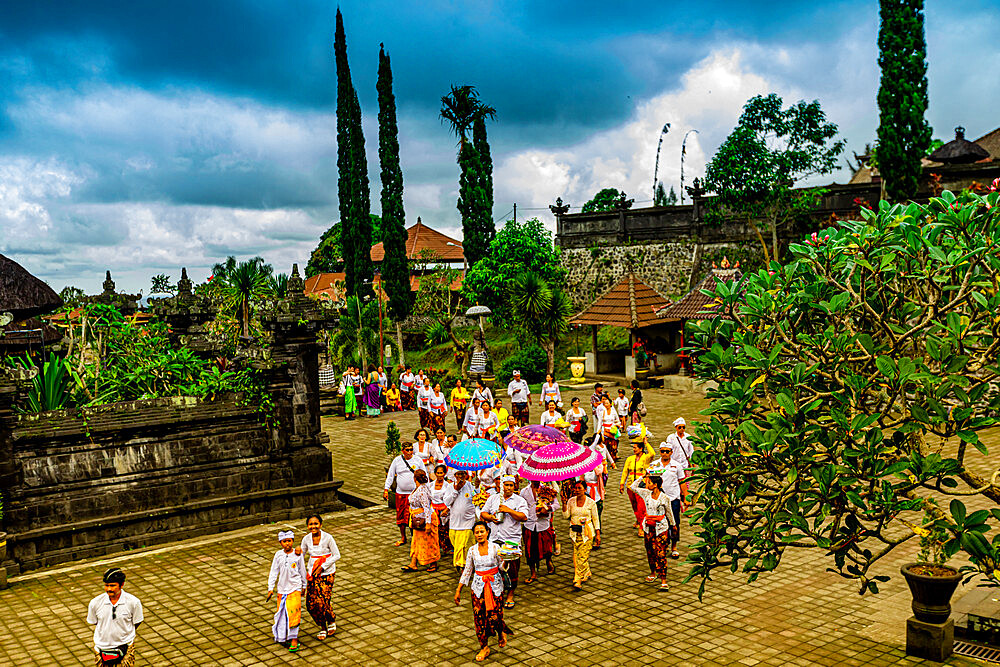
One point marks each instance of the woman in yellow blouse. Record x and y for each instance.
(459, 400)
(635, 468)
(392, 398)
(585, 531)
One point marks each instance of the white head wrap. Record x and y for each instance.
(286, 535)
(679, 421)
(666, 445)
(507, 478)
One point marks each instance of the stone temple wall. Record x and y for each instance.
(670, 268)
(126, 475)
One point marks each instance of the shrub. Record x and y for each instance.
(392, 444)
(435, 334)
(529, 360)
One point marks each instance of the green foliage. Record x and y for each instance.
(604, 200)
(72, 296)
(462, 110)
(530, 360)
(903, 134)
(352, 167)
(393, 446)
(540, 313)
(395, 268)
(241, 286)
(53, 386)
(356, 341)
(277, 285)
(482, 146)
(328, 256)
(435, 334)
(853, 383)
(755, 167)
(160, 284)
(519, 247)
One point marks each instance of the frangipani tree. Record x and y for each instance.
(853, 384)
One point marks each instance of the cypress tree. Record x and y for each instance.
(395, 269)
(477, 220)
(352, 182)
(903, 134)
(486, 163)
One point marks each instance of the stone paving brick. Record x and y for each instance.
(204, 598)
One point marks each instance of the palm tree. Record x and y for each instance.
(461, 108)
(542, 312)
(278, 284)
(241, 284)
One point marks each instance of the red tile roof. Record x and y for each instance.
(330, 286)
(696, 305)
(631, 304)
(420, 238)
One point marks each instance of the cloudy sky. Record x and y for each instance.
(140, 137)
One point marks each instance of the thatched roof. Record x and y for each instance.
(22, 294)
(630, 304)
(30, 333)
(959, 150)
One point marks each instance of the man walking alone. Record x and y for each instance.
(115, 616)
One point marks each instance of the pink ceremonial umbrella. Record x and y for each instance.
(559, 461)
(528, 439)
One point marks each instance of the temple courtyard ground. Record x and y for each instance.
(204, 598)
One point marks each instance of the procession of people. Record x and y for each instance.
(483, 519)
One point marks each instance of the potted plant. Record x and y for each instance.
(641, 360)
(931, 581)
(392, 449)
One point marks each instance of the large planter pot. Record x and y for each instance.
(931, 591)
(642, 373)
(576, 367)
(3, 544)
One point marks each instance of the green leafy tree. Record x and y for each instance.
(436, 300)
(853, 384)
(461, 108)
(605, 200)
(328, 257)
(519, 247)
(352, 182)
(540, 312)
(395, 266)
(72, 296)
(160, 284)
(356, 340)
(392, 442)
(754, 169)
(903, 134)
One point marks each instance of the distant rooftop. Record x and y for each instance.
(419, 239)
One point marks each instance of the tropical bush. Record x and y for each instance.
(530, 360)
(53, 387)
(853, 384)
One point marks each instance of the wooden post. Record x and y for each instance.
(593, 340)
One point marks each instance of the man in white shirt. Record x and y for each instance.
(115, 616)
(505, 512)
(520, 399)
(424, 395)
(401, 472)
(538, 535)
(673, 487)
(683, 448)
(461, 516)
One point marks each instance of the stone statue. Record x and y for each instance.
(480, 363)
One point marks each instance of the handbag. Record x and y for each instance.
(642, 408)
(113, 656)
(418, 523)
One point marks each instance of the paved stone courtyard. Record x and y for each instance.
(204, 598)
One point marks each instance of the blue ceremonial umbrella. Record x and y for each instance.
(473, 454)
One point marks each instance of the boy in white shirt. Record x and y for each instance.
(288, 573)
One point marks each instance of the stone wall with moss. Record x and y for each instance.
(668, 267)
